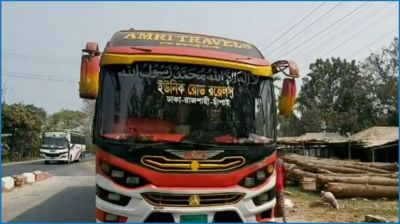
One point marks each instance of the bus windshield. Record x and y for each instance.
(155, 102)
(54, 143)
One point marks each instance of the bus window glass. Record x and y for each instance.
(174, 102)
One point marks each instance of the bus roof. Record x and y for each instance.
(185, 44)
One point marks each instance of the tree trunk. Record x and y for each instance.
(290, 166)
(341, 190)
(297, 174)
(388, 175)
(303, 161)
(394, 167)
(294, 158)
(366, 168)
(319, 170)
(322, 180)
(313, 167)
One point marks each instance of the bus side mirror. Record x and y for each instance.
(90, 69)
(288, 97)
(283, 65)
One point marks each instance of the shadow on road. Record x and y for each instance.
(73, 204)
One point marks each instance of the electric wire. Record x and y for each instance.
(372, 43)
(305, 28)
(327, 28)
(295, 25)
(318, 47)
(38, 58)
(37, 77)
(349, 39)
(344, 31)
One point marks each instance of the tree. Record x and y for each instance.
(37, 110)
(291, 126)
(335, 97)
(24, 123)
(5, 89)
(383, 68)
(65, 120)
(88, 114)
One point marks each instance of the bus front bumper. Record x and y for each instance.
(54, 157)
(140, 210)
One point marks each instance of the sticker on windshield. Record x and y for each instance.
(189, 72)
(177, 92)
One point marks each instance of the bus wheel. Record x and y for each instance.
(79, 158)
(46, 162)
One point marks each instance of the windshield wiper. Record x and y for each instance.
(196, 144)
(182, 143)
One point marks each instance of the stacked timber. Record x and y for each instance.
(344, 178)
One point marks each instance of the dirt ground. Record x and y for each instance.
(309, 208)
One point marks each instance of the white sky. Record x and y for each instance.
(43, 40)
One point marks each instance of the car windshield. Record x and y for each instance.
(54, 143)
(163, 102)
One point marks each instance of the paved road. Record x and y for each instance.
(68, 196)
(73, 204)
(19, 168)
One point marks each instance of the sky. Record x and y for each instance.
(42, 41)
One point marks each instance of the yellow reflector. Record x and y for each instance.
(271, 168)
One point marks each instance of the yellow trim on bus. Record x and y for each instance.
(109, 58)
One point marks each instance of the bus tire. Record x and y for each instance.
(46, 162)
(79, 158)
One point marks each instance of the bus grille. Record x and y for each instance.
(191, 200)
(53, 155)
(162, 163)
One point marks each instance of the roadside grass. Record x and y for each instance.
(309, 205)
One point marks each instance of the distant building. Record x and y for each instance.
(316, 144)
(376, 144)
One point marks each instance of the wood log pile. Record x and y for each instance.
(344, 178)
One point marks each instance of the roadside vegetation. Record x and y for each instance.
(345, 96)
(23, 124)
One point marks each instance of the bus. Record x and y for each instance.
(185, 127)
(62, 146)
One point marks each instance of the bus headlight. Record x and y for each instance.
(112, 197)
(122, 177)
(264, 197)
(261, 175)
(258, 177)
(117, 173)
(249, 182)
(132, 180)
